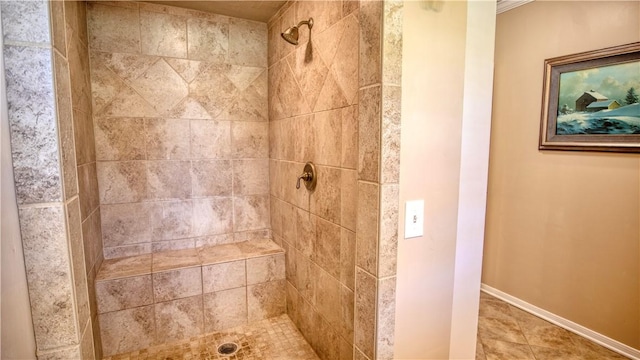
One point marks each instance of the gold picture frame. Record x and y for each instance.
(602, 117)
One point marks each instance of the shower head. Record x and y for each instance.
(291, 34)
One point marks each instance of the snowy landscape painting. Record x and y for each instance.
(591, 101)
(600, 100)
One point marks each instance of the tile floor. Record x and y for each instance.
(506, 332)
(275, 338)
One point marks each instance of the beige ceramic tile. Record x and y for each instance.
(177, 284)
(79, 75)
(310, 73)
(125, 293)
(500, 329)
(367, 227)
(326, 199)
(392, 42)
(161, 86)
(250, 177)
(171, 220)
(126, 251)
(385, 318)
(307, 283)
(225, 309)
(261, 247)
(126, 223)
(495, 349)
(327, 254)
(328, 137)
(224, 276)
(345, 63)
(113, 28)
(125, 66)
(251, 212)
(213, 89)
(390, 147)
(166, 179)
(74, 235)
(365, 313)
(88, 189)
(305, 234)
(122, 181)
(119, 139)
(212, 216)
(370, 67)
(349, 158)
(210, 139)
(179, 319)
(65, 122)
(166, 139)
(163, 34)
(126, 103)
(250, 139)
(247, 42)
(369, 134)
(328, 298)
(46, 252)
(331, 96)
(92, 239)
(178, 259)
(265, 269)
(207, 40)
(388, 234)
(167, 245)
(212, 240)
(348, 199)
(347, 257)
(211, 177)
(266, 300)
(83, 137)
(220, 254)
(125, 267)
(127, 330)
(187, 69)
(189, 108)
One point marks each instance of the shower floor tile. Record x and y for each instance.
(275, 338)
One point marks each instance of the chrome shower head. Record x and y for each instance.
(290, 35)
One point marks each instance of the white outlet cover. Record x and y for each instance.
(414, 219)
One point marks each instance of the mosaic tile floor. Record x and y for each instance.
(276, 338)
(506, 332)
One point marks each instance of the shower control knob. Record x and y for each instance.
(308, 176)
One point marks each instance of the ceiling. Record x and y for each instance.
(258, 10)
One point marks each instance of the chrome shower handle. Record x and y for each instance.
(308, 176)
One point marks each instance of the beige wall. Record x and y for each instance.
(562, 227)
(447, 63)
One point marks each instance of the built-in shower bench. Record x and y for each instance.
(173, 295)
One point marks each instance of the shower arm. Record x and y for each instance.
(309, 23)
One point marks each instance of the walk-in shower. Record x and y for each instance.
(291, 34)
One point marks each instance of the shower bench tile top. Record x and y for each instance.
(179, 259)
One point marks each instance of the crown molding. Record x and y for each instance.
(506, 5)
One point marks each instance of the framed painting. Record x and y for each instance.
(590, 101)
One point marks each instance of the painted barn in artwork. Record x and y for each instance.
(587, 98)
(603, 105)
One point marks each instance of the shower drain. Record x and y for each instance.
(227, 348)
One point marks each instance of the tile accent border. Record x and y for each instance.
(594, 336)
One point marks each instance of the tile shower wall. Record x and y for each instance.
(49, 113)
(313, 114)
(335, 100)
(181, 130)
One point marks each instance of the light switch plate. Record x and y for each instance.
(414, 219)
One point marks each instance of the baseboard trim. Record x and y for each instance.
(596, 337)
